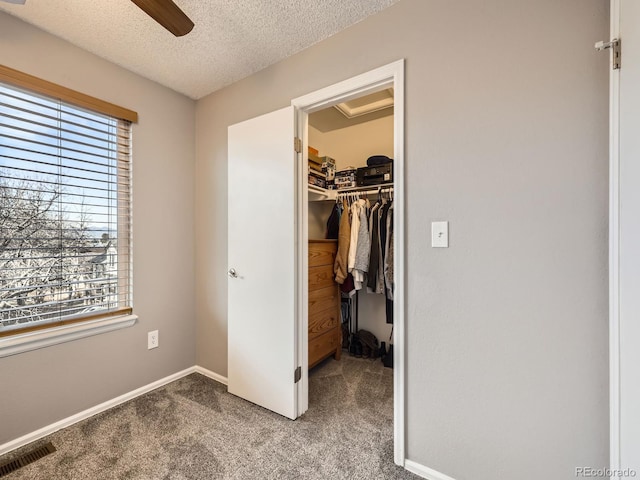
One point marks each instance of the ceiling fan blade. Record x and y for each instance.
(167, 14)
(17, 2)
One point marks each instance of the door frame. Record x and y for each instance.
(614, 252)
(390, 75)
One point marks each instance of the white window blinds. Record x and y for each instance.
(65, 223)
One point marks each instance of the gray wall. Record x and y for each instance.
(506, 137)
(47, 385)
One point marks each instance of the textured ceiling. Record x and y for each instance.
(231, 40)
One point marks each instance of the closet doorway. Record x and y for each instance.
(316, 112)
(268, 295)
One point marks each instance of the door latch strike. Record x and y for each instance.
(297, 375)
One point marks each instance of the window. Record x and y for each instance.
(65, 201)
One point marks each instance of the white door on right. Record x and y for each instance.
(629, 236)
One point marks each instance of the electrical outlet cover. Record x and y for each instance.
(152, 339)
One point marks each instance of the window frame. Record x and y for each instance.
(38, 336)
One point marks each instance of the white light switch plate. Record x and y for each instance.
(440, 234)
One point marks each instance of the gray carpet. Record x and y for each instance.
(193, 429)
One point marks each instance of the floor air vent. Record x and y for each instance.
(26, 459)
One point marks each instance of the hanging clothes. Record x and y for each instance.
(333, 223)
(382, 239)
(389, 310)
(375, 282)
(363, 251)
(388, 257)
(388, 267)
(374, 257)
(380, 270)
(340, 267)
(354, 211)
(359, 249)
(365, 247)
(348, 286)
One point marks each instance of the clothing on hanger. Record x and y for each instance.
(388, 257)
(388, 267)
(342, 256)
(333, 223)
(382, 234)
(354, 211)
(348, 286)
(363, 251)
(374, 257)
(388, 310)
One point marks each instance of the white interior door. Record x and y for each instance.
(261, 261)
(628, 203)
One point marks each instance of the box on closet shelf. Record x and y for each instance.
(315, 169)
(317, 179)
(315, 160)
(345, 178)
(328, 167)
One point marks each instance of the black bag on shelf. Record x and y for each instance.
(376, 160)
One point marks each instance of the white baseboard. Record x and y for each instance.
(212, 375)
(67, 422)
(425, 472)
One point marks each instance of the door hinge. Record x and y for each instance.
(297, 375)
(614, 45)
(297, 144)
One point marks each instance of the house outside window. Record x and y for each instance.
(65, 210)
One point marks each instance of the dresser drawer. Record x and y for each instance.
(324, 345)
(323, 299)
(323, 321)
(322, 253)
(325, 332)
(320, 277)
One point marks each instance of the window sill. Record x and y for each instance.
(45, 338)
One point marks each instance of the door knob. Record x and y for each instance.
(233, 273)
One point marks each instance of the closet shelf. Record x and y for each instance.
(319, 194)
(372, 188)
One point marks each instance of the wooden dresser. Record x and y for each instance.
(325, 332)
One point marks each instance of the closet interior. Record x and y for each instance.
(350, 213)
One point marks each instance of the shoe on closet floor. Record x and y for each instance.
(345, 337)
(352, 344)
(358, 349)
(383, 350)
